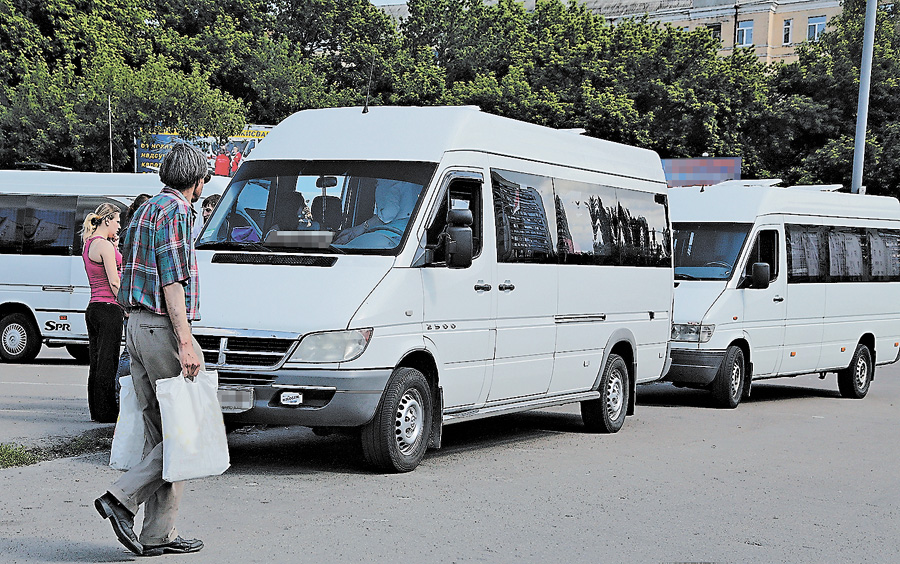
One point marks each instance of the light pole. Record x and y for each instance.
(109, 116)
(865, 80)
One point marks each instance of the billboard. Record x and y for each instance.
(704, 171)
(149, 153)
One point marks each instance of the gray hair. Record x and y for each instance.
(182, 167)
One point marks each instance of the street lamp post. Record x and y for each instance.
(865, 80)
(109, 116)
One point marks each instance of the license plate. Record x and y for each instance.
(235, 400)
(291, 398)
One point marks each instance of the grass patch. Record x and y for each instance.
(95, 440)
(16, 455)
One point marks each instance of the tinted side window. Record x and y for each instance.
(848, 255)
(12, 223)
(645, 234)
(49, 227)
(587, 223)
(807, 249)
(523, 209)
(884, 248)
(764, 249)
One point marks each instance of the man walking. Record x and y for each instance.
(160, 290)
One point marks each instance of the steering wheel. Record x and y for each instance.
(718, 263)
(385, 227)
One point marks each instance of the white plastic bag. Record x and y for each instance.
(128, 440)
(194, 442)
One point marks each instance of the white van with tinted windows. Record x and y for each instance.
(43, 286)
(780, 282)
(401, 269)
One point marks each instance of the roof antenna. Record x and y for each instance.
(369, 87)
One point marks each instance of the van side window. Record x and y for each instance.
(463, 194)
(848, 255)
(12, 223)
(523, 210)
(49, 226)
(644, 221)
(807, 253)
(587, 223)
(765, 249)
(884, 246)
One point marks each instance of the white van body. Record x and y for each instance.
(524, 330)
(43, 285)
(833, 289)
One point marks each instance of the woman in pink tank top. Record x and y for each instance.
(104, 316)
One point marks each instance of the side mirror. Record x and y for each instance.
(459, 238)
(760, 276)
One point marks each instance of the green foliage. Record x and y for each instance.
(16, 455)
(209, 66)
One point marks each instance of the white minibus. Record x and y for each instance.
(43, 286)
(780, 282)
(398, 269)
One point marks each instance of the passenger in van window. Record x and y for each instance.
(160, 289)
(103, 265)
(394, 203)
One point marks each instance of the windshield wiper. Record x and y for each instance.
(680, 276)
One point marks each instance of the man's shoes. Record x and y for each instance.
(177, 546)
(122, 521)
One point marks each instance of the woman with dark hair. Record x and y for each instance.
(103, 265)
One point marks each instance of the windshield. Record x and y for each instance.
(707, 251)
(329, 206)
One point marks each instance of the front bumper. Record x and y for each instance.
(331, 398)
(694, 366)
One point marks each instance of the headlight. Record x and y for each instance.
(332, 346)
(692, 332)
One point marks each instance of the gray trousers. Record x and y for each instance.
(153, 347)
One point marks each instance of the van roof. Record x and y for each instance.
(90, 183)
(743, 203)
(425, 133)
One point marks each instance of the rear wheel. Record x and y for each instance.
(397, 437)
(853, 381)
(728, 387)
(607, 414)
(20, 340)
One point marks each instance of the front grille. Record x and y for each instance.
(245, 379)
(244, 351)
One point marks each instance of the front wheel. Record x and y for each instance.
(397, 437)
(853, 381)
(20, 340)
(607, 414)
(728, 387)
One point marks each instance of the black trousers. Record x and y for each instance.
(104, 326)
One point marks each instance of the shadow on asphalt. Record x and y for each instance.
(668, 395)
(34, 548)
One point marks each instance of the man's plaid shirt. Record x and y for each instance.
(158, 251)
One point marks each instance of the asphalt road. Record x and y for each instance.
(796, 474)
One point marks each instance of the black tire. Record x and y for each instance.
(728, 387)
(607, 414)
(395, 439)
(853, 381)
(20, 339)
(81, 353)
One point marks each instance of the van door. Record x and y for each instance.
(459, 303)
(764, 309)
(527, 285)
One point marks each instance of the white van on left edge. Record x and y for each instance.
(43, 287)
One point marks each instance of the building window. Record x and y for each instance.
(888, 8)
(715, 30)
(744, 34)
(787, 31)
(815, 27)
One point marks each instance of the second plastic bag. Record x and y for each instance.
(194, 441)
(128, 439)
